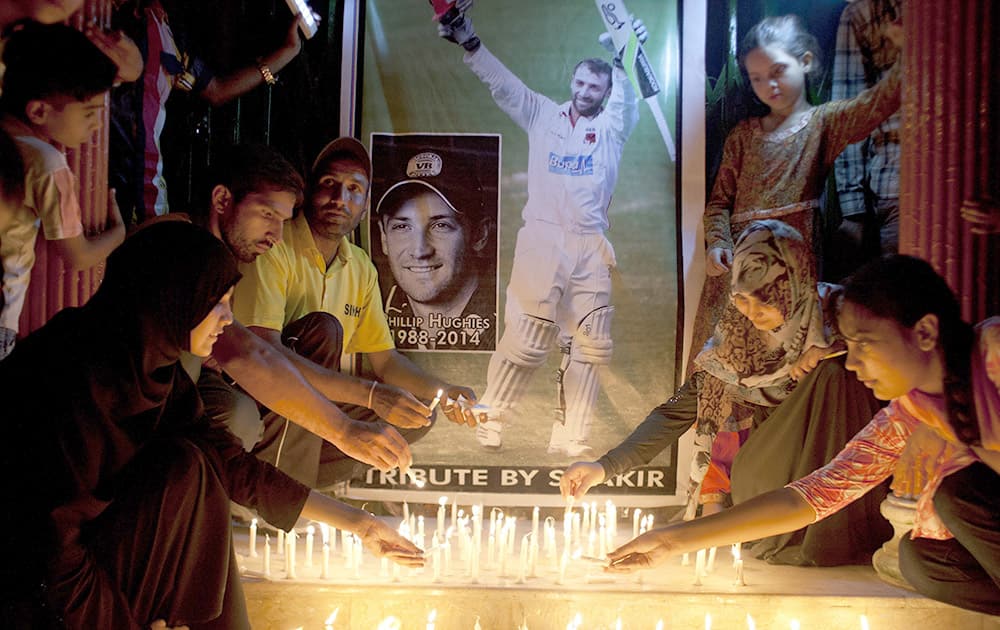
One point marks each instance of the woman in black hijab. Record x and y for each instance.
(120, 484)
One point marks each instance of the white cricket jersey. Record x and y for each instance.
(572, 170)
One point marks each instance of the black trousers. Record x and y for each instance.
(965, 570)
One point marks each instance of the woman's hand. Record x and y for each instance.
(719, 261)
(645, 552)
(160, 624)
(121, 50)
(808, 361)
(383, 540)
(579, 478)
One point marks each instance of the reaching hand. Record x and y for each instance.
(641, 32)
(643, 552)
(399, 407)
(808, 361)
(456, 405)
(579, 478)
(719, 261)
(383, 540)
(160, 624)
(121, 50)
(376, 444)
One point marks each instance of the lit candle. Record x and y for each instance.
(590, 543)
(685, 559)
(406, 511)
(326, 561)
(290, 560)
(345, 540)
(659, 625)
(586, 518)
(602, 532)
(612, 514)
(636, 515)
(534, 523)
(618, 624)
(794, 624)
(533, 560)
(328, 624)
(447, 551)
(699, 566)
(267, 555)
(522, 568)
(739, 573)
(358, 552)
(490, 546)
(443, 501)
(253, 538)
(711, 561)
(281, 541)
(454, 513)
(576, 528)
(563, 561)
(395, 572)
(477, 626)
(864, 622)
(753, 626)
(383, 569)
(708, 618)
(309, 546)
(430, 619)
(436, 557)
(503, 549)
(331, 537)
(420, 527)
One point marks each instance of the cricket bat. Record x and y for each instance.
(637, 66)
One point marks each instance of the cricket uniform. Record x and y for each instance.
(562, 261)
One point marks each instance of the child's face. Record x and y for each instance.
(778, 79)
(71, 122)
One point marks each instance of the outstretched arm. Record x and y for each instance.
(273, 380)
(772, 513)
(223, 89)
(395, 405)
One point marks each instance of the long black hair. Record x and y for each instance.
(904, 289)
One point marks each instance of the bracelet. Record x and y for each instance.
(265, 73)
(371, 394)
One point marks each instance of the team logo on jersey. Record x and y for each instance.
(424, 164)
(590, 137)
(573, 165)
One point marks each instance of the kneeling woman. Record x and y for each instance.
(122, 485)
(907, 342)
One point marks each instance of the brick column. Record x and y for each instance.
(951, 144)
(53, 286)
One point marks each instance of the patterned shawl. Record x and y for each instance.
(741, 364)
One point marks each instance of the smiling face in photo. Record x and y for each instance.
(427, 245)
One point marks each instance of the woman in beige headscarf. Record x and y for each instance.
(765, 361)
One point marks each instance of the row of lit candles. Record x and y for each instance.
(598, 527)
(576, 623)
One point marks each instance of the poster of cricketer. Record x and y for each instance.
(433, 229)
(582, 97)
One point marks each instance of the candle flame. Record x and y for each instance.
(333, 616)
(443, 501)
(750, 623)
(659, 625)
(618, 624)
(390, 623)
(795, 625)
(708, 621)
(432, 615)
(864, 622)
(310, 530)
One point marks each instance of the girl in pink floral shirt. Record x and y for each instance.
(939, 437)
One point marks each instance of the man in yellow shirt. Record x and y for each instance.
(317, 293)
